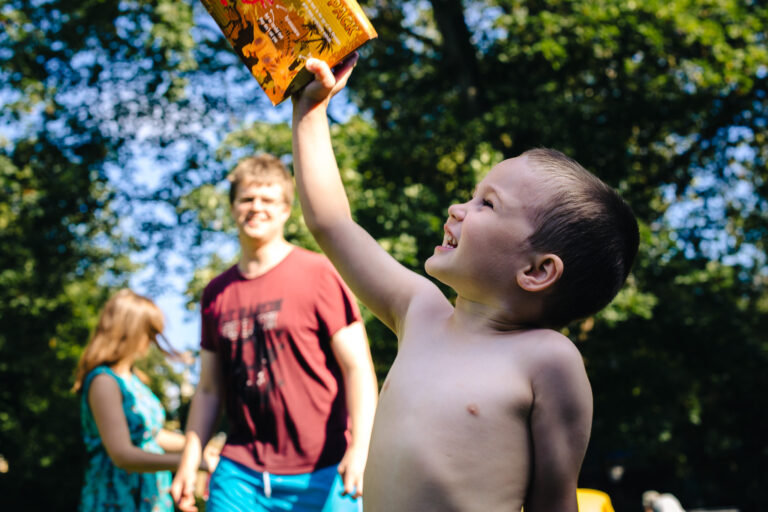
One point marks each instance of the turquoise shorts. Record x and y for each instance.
(237, 488)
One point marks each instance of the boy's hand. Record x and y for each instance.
(326, 83)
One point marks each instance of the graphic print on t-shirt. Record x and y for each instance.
(255, 344)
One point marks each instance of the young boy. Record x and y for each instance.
(486, 407)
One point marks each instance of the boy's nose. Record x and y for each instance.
(457, 211)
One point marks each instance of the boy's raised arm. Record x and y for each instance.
(383, 285)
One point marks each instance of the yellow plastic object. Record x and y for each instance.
(592, 500)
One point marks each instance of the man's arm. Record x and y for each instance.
(560, 425)
(203, 414)
(380, 282)
(350, 347)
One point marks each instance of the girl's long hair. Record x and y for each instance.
(126, 322)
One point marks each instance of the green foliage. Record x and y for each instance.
(666, 101)
(51, 262)
(74, 89)
(675, 399)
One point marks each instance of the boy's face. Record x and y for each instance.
(260, 211)
(485, 241)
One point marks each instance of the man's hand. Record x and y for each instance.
(351, 470)
(211, 456)
(183, 489)
(327, 82)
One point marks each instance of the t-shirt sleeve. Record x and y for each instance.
(208, 340)
(336, 306)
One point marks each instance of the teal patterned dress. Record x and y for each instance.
(107, 487)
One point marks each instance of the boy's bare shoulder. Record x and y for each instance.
(427, 305)
(557, 375)
(549, 349)
(428, 299)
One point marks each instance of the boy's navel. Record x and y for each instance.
(473, 410)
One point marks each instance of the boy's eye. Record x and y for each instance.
(487, 203)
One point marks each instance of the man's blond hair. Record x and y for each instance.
(263, 169)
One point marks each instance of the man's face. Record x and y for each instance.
(260, 211)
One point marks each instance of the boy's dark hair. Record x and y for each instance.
(591, 228)
(263, 169)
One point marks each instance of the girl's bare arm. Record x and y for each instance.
(105, 400)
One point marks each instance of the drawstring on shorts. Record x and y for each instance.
(267, 485)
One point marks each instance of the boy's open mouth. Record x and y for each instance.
(450, 241)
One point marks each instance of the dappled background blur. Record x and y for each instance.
(120, 119)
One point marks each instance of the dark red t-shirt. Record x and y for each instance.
(285, 398)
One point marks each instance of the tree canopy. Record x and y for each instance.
(666, 101)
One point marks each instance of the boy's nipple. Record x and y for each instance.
(473, 410)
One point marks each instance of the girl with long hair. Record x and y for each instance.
(130, 454)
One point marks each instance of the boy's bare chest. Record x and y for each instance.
(446, 407)
(484, 380)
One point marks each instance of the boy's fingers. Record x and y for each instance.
(346, 65)
(331, 77)
(343, 69)
(321, 71)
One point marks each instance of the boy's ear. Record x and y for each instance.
(543, 272)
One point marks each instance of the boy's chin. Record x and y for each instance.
(429, 267)
(434, 269)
